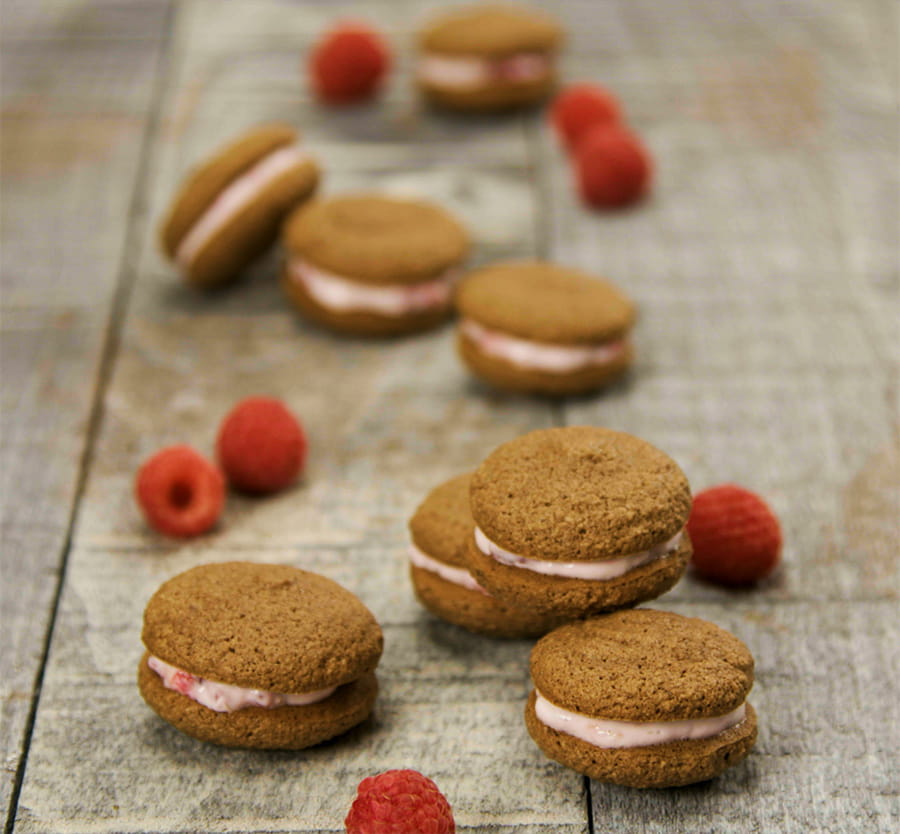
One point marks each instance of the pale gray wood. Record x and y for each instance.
(74, 100)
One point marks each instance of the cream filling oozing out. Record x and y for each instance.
(538, 356)
(611, 734)
(223, 697)
(469, 72)
(599, 570)
(344, 295)
(458, 576)
(238, 194)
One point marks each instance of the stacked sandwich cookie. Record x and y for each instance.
(229, 209)
(253, 655)
(541, 328)
(373, 265)
(488, 57)
(578, 520)
(642, 698)
(440, 530)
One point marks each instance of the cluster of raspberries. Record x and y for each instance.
(261, 448)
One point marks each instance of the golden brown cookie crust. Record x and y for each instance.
(643, 665)
(478, 612)
(580, 493)
(545, 302)
(442, 524)
(208, 179)
(282, 728)
(253, 230)
(511, 377)
(494, 96)
(491, 30)
(657, 766)
(360, 323)
(259, 626)
(375, 239)
(570, 598)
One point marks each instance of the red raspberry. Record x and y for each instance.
(736, 537)
(399, 802)
(348, 64)
(261, 446)
(580, 107)
(612, 166)
(180, 492)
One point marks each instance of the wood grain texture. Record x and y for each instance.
(766, 268)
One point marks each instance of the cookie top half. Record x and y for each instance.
(258, 626)
(643, 665)
(545, 302)
(442, 525)
(210, 178)
(579, 493)
(492, 30)
(377, 239)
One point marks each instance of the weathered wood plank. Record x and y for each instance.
(63, 240)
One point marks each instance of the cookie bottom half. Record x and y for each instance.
(361, 323)
(510, 377)
(498, 95)
(477, 612)
(282, 728)
(657, 766)
(574, 598)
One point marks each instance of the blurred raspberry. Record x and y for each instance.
(348, 64)
(180, 492)
(736, 537)
(399, 802)
(580, 107)
(261, 445)
(612, 166)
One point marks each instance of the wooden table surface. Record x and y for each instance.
(765, 267)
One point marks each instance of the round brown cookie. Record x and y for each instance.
(440, 529)
(550, 308)
(272, 628)
(577, 499)
(643, 666)
(251, 225)
(368, 243)
(491, 32)
(568, 598)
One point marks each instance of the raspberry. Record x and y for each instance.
(580, 107)
(736, 537)
(348, 64)
(261, 446)
(180, 492)
(399, 802)
(612, 166)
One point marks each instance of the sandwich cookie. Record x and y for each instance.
(642, 698)
(574, 521)
(440, 530)
(540, 328)
(251, 655)
(488, 57)
(229, 209)
(373, 265)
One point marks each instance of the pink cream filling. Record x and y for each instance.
(344, 295)
(458, 576)
(237, 195)
(223, 697)
(540, 356)
(601, 570)
(470, 72)
(610, 734)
